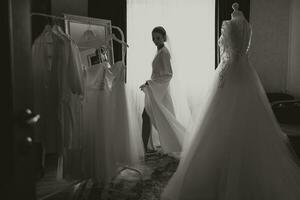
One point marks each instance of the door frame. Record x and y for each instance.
(17, 164)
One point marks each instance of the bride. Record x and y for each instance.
(238, 151)
(159, 109)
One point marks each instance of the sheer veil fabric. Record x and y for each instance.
(188, 105)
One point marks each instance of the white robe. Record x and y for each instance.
(95, 158)
(58, 80)
(45, 90)
(159, 105)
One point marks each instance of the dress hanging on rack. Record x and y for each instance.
(108, 139)
(45, 89)
(58, 81)
(109, 143)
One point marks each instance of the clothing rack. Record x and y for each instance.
(123, 55)
(122, 41)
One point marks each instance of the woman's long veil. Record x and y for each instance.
(188, 93)
(179, 92)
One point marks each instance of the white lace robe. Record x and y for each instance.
(159, 105)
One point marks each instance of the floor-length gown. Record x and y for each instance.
(124, 143)
(238, 151)
(93, 124)
(159, 105)
(108, 142)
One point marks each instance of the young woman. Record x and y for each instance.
(238, 151)
(159, 109)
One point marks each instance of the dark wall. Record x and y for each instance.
(6, 142)
(37, 22)
(114, 10)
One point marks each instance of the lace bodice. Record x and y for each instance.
(235, 38)
(115, 75)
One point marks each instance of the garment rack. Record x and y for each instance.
(122, 41)
(123, 54)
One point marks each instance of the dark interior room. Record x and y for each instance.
(160, 99)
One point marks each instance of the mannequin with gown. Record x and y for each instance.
(238, 151)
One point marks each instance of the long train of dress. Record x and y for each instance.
(238, 151)
(109, 140)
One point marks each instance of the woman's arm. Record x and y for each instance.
(166, 67)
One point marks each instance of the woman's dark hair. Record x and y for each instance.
(160, 30)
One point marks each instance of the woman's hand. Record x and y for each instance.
(144, 85)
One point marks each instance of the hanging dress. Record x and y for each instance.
(108, 141)
(57, 87)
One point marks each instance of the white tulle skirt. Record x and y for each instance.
(110, 140)
(159, 107)
(96, 163)
(238, 151)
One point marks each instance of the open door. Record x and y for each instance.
(16, 146)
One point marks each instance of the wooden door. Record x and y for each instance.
(16, 146)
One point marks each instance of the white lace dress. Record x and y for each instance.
(109, 140)
(238, 151)
(94, 147)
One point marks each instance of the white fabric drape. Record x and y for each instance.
(191, 45)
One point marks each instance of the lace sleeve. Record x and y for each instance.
(222, 75)
(225, 49)
(166, 63)
(226, 42)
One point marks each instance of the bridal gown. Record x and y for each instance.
(238, 151)
(94, 155)
(124, 142)
(159, 105)
(108, 141)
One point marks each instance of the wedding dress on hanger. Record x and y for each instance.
(238, 151)
(126, 144)
(110, 141)
(94, 146)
